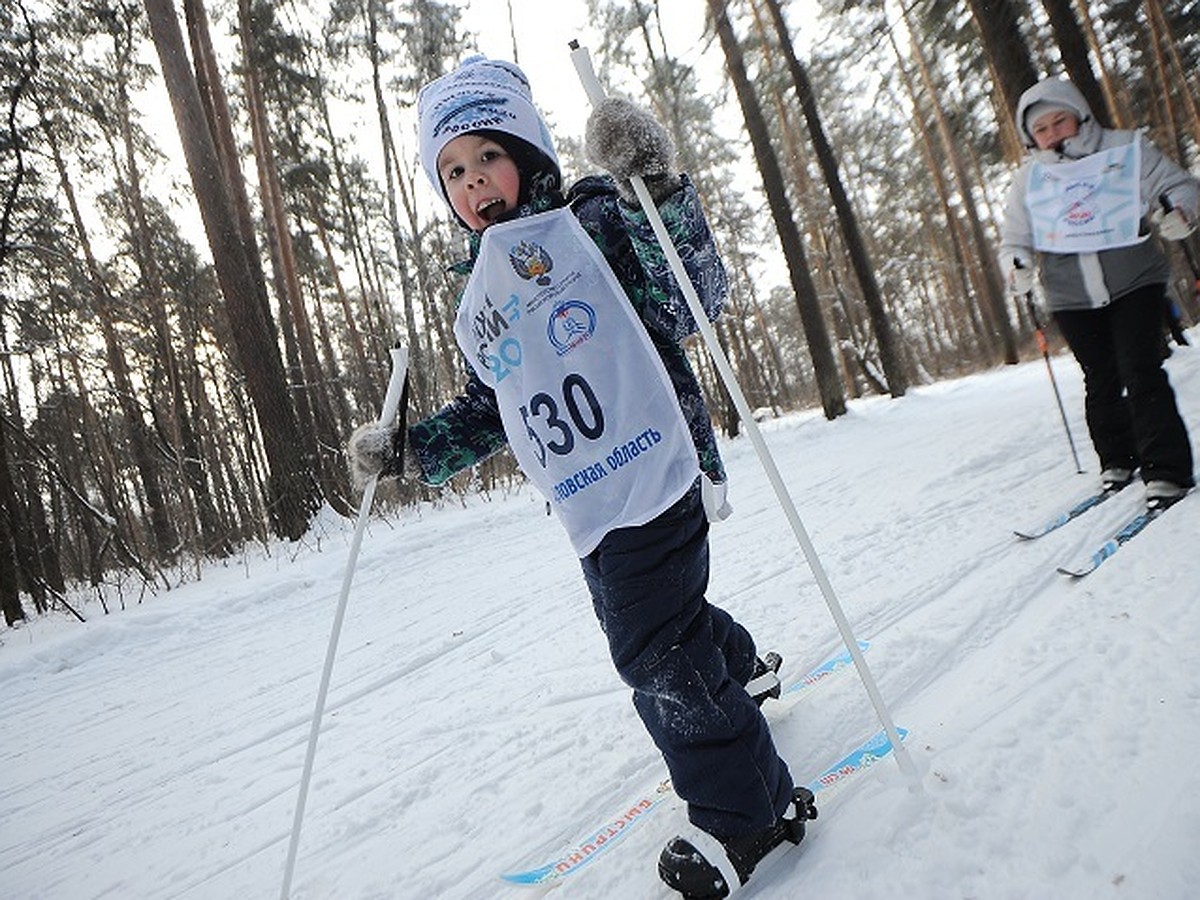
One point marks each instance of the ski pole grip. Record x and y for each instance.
(587, 75)
(391, 400)
(1165, 202)
(1018, 264)
(595, 92)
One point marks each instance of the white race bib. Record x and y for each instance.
(1088, 205)
(587, 405)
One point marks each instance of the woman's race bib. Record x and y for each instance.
(586, 402)
(1088, 205)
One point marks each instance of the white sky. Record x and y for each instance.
(543, 34)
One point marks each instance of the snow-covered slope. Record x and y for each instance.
(475, 725)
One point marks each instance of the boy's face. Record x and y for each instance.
(1051, 129)
(481, 179)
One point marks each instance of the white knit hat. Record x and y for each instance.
(480, 95)
(1042, 107)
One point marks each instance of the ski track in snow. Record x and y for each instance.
(474, 724)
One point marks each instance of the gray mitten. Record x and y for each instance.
(371, 452)
(626, 140)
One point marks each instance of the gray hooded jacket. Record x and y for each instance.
(1091, 280)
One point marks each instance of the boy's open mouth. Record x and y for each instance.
(490, 210)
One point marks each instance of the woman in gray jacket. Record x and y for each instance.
(1077, 215)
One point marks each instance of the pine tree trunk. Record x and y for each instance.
(990, 281)
(1073, 48)
(987, 340)
(829, 386)
(1005, 48)
(38, 564)
(166, 538)
(57, 463)
(422, 355)
(1114, 93)
(310, 396)
(1176, 75)
(121, 526)
(367, 382)
(179, 429)
(294, 496)
(1159, 108)
(10, 530)
(889, 352)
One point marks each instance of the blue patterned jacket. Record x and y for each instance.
(468, 429)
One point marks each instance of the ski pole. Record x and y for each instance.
(391, 404)
(1044, 346)
(1172, 310)
(1167, 206)
(595, 92)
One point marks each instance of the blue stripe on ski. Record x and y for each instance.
(856, 761)
(831, 666)
(863, 757)
(610, 834)
(1073, 513)
(591, 848)
(1106, 550)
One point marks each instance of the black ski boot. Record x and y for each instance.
(685, 867)
(764, 681)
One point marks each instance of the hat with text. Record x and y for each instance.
(480, 95)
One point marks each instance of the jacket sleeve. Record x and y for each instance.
(462, 434)
(1161, 175)
(626, 238)
(667, 311)
(1016, 234)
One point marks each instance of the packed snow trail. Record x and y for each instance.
(156, 752)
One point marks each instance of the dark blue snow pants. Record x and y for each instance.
(687, 662)
(1132, 416)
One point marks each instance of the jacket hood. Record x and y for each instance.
(1056, 92)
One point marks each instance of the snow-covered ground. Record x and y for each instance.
(475, 726)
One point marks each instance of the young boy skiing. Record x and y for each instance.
(571, 322)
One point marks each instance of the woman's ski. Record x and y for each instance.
(1122, 536)
(1087, 503)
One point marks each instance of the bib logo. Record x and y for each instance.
(531, 262)
(571, 323)
(1080, 207)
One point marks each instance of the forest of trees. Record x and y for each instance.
(172, 393)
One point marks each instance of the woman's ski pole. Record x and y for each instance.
(391, 404)
(595, 92)
(1167, 206)
(1173, 316)
(1044, 346)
